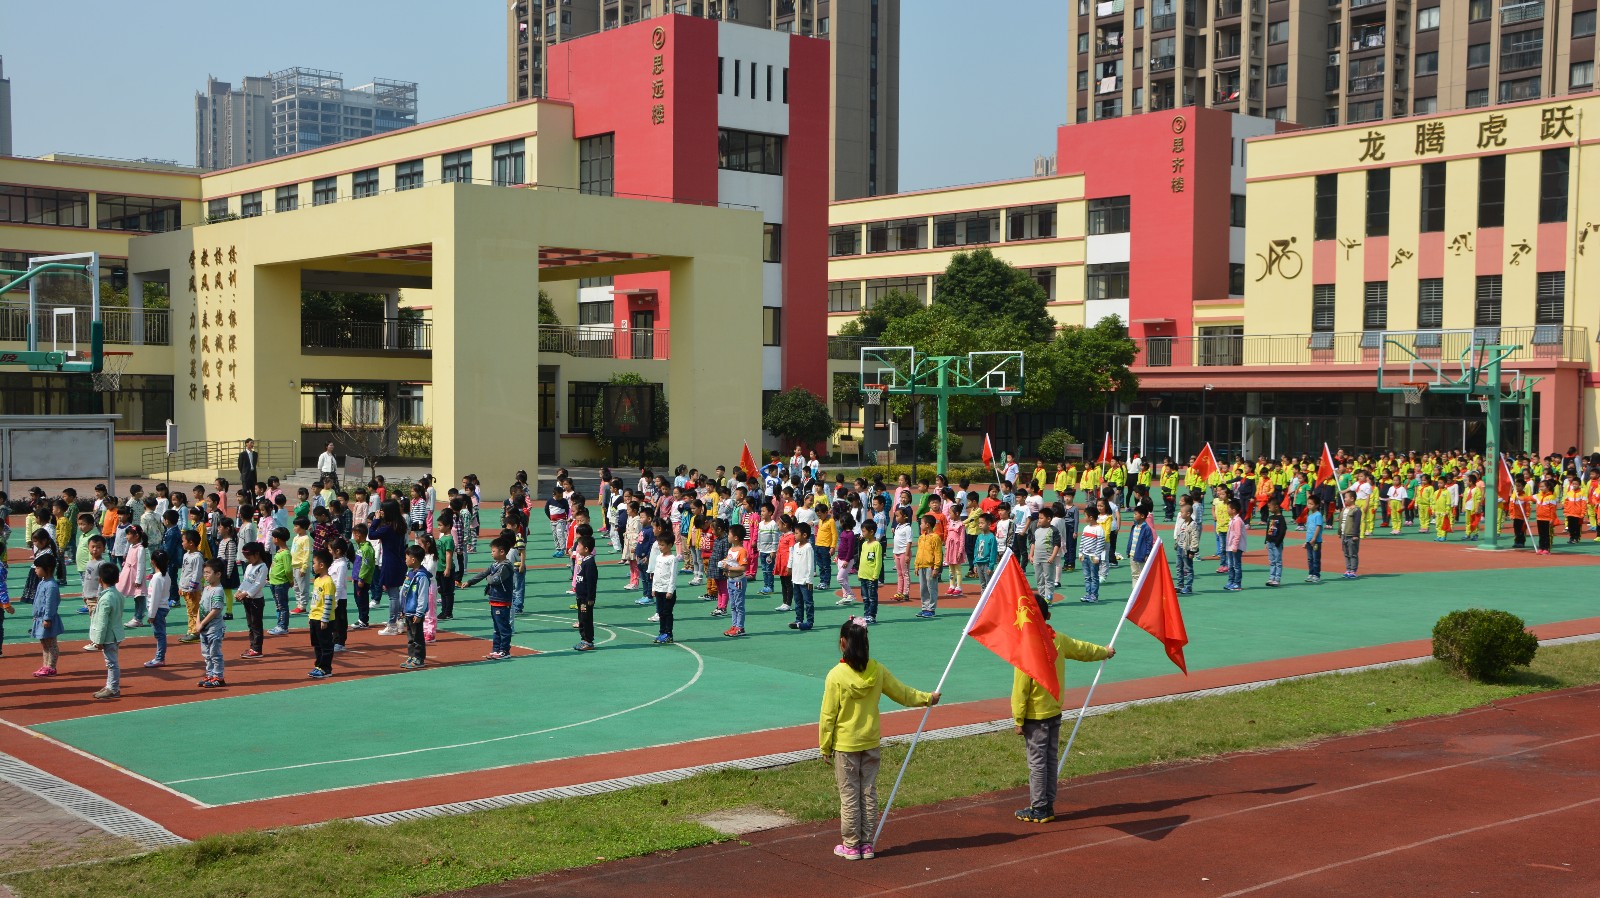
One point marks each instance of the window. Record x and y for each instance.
(1046, 279)
(408, 175)
(1083, 80)
(1108, 281)
(1235, 278)
(1236, 210)
(364, 183)
(1550, 301)
(506, 163)
(844, 240)
(1277, 32)
(1277, 74)
(1432, 197)
(602, 313)
(1520, 89)
(1428, 63)
(1553, 185)
(136, 213)
(1521, 49)
(324, 191)
(748, 151)
(844, 296)
(287, 199)
(1477, 56)
(1425, 105)
(1278, 113)
(1477, 98)
(1110, 215)
(457, 167)
(1486, 311)
(217, 210)
(1581, 76)
(597, 165)
(583, 397)
(878, 288)
(967, 228)
(771, 327)
(1583, 24)
(772, 244)
(1326, 207)
(1322, 309)
(1430, 303)
(144, 400)
(42, 206)
(1377, 202)
(1031, 222)
(738, 79)
(1492, 192)
(897, 235)
(250, 205)
(1375, 306)
(1428, 19)
(1083, 44)
(1478, 10)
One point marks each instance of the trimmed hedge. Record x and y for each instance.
(978, 473)
(1482, 644)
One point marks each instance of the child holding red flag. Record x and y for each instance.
(849, 734)
(1037, 713)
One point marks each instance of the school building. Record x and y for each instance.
(669, 193)
(1257, 267)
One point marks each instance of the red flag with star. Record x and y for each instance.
(1106, 457)
(1325, 468)
(1153, 607)
(1205, 464)
(747, 462)
(1008, 623)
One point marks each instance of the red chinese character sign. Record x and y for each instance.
(658, 84)
(1179, 145)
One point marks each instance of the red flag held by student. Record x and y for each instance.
(1154, 606)
(1009, 624)
(988, 451)
(747, 462)
(1205, 464)
(1504, 486)
(1105, 452)
(1325, 469)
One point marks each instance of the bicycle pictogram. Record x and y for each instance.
(1282, 260)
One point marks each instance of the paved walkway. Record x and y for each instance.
(34, 832)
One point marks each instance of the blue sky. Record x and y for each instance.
(981, 94)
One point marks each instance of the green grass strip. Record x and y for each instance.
(352, 860)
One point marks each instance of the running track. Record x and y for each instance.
(1503, 799)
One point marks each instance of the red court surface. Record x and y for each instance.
(1499, 800)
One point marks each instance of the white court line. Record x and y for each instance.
(700, 668)
(1418, 844)
(104, 763)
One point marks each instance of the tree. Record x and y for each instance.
(366, 439)
(977, 287)
(847, 392)
(659, 417)
(797, 415)
(547, 309)
(871, 323)
(1091, 364)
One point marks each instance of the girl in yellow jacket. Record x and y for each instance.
(849, 734)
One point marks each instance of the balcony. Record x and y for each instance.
(1108, 8)
(1108, 48)
(1514, 13)
(120, 325)
(1163, 21)
(1108, 85)
(1548, 343)
(1370, 39)
(1229, 9)
(841, 348)
(1359, 4)
(391, 335)
(1162, 63)
(600, 341)
(1520, 59)
(1227, 93)
(1362, 84)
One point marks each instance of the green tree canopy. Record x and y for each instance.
(797, 415)
(547, 309)
(871, 323)
(977, 287)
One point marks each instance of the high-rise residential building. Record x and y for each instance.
(5, 111)
(293, 110)
(1324, 62)
(865, 62)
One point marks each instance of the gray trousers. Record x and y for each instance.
(1352, 552)
(928, 578)
(1042, 739)
(113, 670)
(856, 773)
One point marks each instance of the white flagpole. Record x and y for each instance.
(982, 600)
(1126, 609)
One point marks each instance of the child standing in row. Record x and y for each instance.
(105, 629)
(664, 585)
(586, 580)
(499, 595)
(802, 566)
(252, 593)
(159, 588)
(414, 607)
(902, 554)
(736, 564)
(190, 580)
(870, 570)
(930, 551)
(47, 613)
(207, 617)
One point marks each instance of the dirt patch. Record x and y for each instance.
(739, 821)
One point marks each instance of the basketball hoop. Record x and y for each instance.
(874, 393)
(109, 378)
(1483, 403)
(1005, 398)
(1413, 390)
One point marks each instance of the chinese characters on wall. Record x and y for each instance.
(658, 75)
(1179, 126)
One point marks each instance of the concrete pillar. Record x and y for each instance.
(136, 309)
(391, 319)
(707, 343)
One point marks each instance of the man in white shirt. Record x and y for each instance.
(328, 465)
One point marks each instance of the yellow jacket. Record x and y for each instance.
(1029, 700)
(930, 551)
(850, 706)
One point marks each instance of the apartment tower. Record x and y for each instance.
(1325, 62)
(293, 110)
(864, 38)
(5, 112)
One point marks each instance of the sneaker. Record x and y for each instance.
(189, 637)
(1314, 580)
(276, 631)
(870, 620)
(784, 607)
(496, 656)
(318, 673)
(583, 646)
(210, 683)
(765, 591)
(1034, 815)
(644, 600)
(1089, 601)
(453, 617)
(91, 647)
(573, 607)
(924, 614)
(718, 612)
(654, 618)
(697, 581)
(1273, 583)
(663, 639)
(338, 648)
(297, 610)
(134, 623)
(408, 664)
(155, 662)
(358, 625)
(733, 631)
(45, 672)
(107, 693)
(558, 554)
(805, 625)
(843, 602)
(573, 592)
(793, 625)
(83, 609)
(248, 653)
(846, 852)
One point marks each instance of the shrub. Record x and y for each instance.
(416, 441)
(798, 416)
(1483, 644)
(928, 444)
(1053, 445)
(978, 474)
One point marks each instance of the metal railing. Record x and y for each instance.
(220, 455)
(402, 334)
(1163, 63)
(1521, 12)
(1520, 59)
(1361, 84)
(1164, 21)
(1227, 9)
(119, 325)
(841, 348)
(1359, 348)
(600, 341)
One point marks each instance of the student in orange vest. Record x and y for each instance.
(1573, 503)
(1546, 510)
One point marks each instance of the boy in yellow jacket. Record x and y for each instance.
(1037, 715)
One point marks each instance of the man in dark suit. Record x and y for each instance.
(247, 467)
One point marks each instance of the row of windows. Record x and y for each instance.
(1552, 198)
(752, 85)
(506, 159)
(956, 229)
(144, 400)
(847, 296)
(749, 151)
(583, 401)
(43, 206)
(1549, 303)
